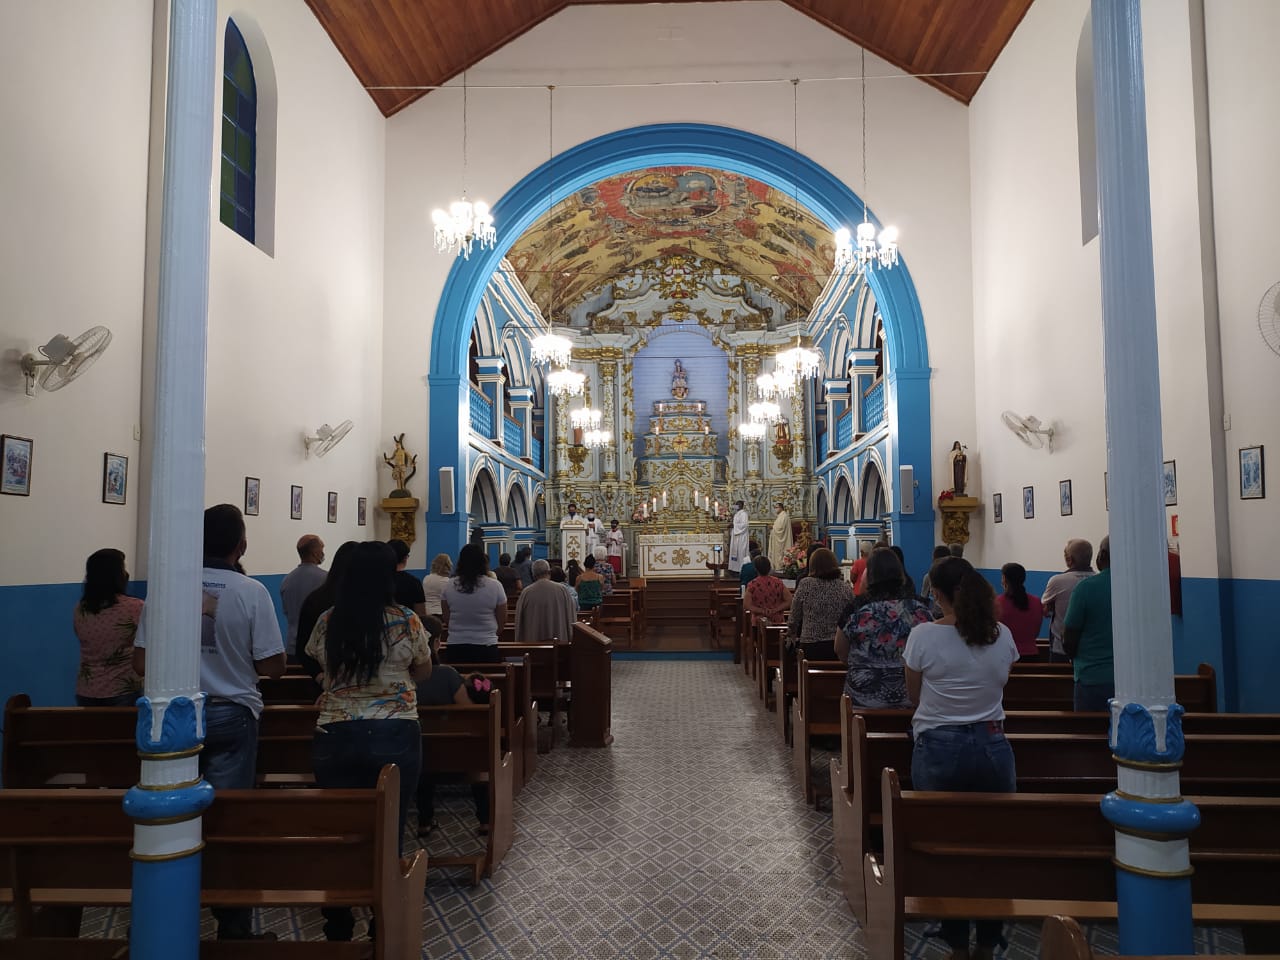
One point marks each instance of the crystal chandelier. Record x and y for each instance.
(752, 430)
(869, 249)
(465, 223)
(550, 348)
(764, 411)
(585, 418)
(771, 385)
(595, 439)
(797, 363)
(565, 383)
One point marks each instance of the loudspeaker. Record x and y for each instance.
(906, 489)
(446, 491)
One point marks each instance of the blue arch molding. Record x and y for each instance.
(673, 144)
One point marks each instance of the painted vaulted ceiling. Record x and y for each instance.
(680, 231)
(424, 43)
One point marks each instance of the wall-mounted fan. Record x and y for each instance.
(64, 359)
(326, 438)
(1029, 430)
(1269, 318)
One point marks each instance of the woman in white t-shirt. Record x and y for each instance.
(476, 605)
(956, 670)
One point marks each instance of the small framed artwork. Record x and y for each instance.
(997, 507)
(362, 506)
(252, 488)
(115, 477)
(1170, 483)
(1253, 478)
(295, 502)
(333, 507)
(1064, 497)
(15, 465)
(1028, 503)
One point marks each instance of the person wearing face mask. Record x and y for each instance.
(595, 531)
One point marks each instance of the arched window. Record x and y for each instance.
(1086, 133)
(238, 183)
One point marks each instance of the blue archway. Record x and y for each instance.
(724, 148)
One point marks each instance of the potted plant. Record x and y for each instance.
(794, 561)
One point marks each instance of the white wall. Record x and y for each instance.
(1037, 295)
(75, 113)
(1244, 113)
(917, 155)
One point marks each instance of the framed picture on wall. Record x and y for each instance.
(997, 507)
(252, 490)
(115, 477)
(333, 507)
(1028, 503)
(295, 502)
(362, 506)
(1064, 497)
(15, 465)
(1253, 478)
(1170, 483)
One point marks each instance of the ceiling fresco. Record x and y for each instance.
(640, 221)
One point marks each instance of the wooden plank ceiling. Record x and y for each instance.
(425, 43)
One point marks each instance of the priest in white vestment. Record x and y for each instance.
(595, 531)
(739, 538)
(780, 538)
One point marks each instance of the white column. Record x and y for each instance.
(1152, 856)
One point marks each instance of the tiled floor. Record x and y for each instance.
(686, 838)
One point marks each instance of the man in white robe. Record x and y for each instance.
(739, 538)
(780, 537)
(595, 531)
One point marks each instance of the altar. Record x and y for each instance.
(680, 450)
(682, 555)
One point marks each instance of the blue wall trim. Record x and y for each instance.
(907, 397)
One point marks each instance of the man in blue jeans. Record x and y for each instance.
(1087, 639)
(239, 641)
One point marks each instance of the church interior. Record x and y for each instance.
(675, 311)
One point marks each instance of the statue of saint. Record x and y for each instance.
(399, 461)
(781, 434)
(959, 469)
(679, 382)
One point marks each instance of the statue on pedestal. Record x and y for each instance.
(959, 469)
(679, 382)
(399, 460)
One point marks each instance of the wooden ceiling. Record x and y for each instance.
(425, 43)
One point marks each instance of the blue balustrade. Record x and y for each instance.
(536, 452)
(481, 414)
(512, 437)
(873, 407)
(844, 430)
(822, 446)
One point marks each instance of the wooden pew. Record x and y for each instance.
(519, 714)
(262, 848)
(1062, 939)
(619, 618)
(785, 687)
(722, 614)
(1068, 721)
(1197, 692)
(1023, 856)
(1237, 765)
(769, 653)
(814, 713)
(546, 685)
(591, 675)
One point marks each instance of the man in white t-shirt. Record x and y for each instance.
(239, 641)
(1078, 555)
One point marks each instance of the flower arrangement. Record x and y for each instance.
(946, 495)
(794, 561)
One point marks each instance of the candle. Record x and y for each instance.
(717, 510)
(664, 498)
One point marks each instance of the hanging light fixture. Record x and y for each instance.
(565, 383)
(797, 363)
(550, 348)
(586, 418)
(465, 223)
(595, 439)
(752, 430)
(844, 248)
(764, 411)
(870, 249)
(562, 382)
(770, 385)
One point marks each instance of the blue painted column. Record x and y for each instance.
(907, 409)
(167, 803)
(450, 421)
(1151, 819)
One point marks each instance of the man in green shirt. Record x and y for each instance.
(1086, 636)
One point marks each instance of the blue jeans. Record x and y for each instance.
(229, 761)
(1093, 697)
(350, 755)
(968, 758)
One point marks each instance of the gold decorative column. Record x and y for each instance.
(955, 518)
(608, 385)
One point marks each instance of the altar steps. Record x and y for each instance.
(677, 615)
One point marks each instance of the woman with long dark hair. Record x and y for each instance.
(105, 622)
(956, 670)
(872, 639)
(318, 601)
(1018, 610)
(371, 650)
(476, 607)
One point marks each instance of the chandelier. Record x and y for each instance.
(764, 411)
(771, 385)
(869, 249)
(550, 348)
(464, 223)
(565, 383)
(585, 418)
(595, 439)
(796, 364)
(752, 430)
(844, 248)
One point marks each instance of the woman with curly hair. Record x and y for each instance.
(106, 622)
(956, 670)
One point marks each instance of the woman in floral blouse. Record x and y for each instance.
(105, 622)
(766, 595)
(872, 639)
